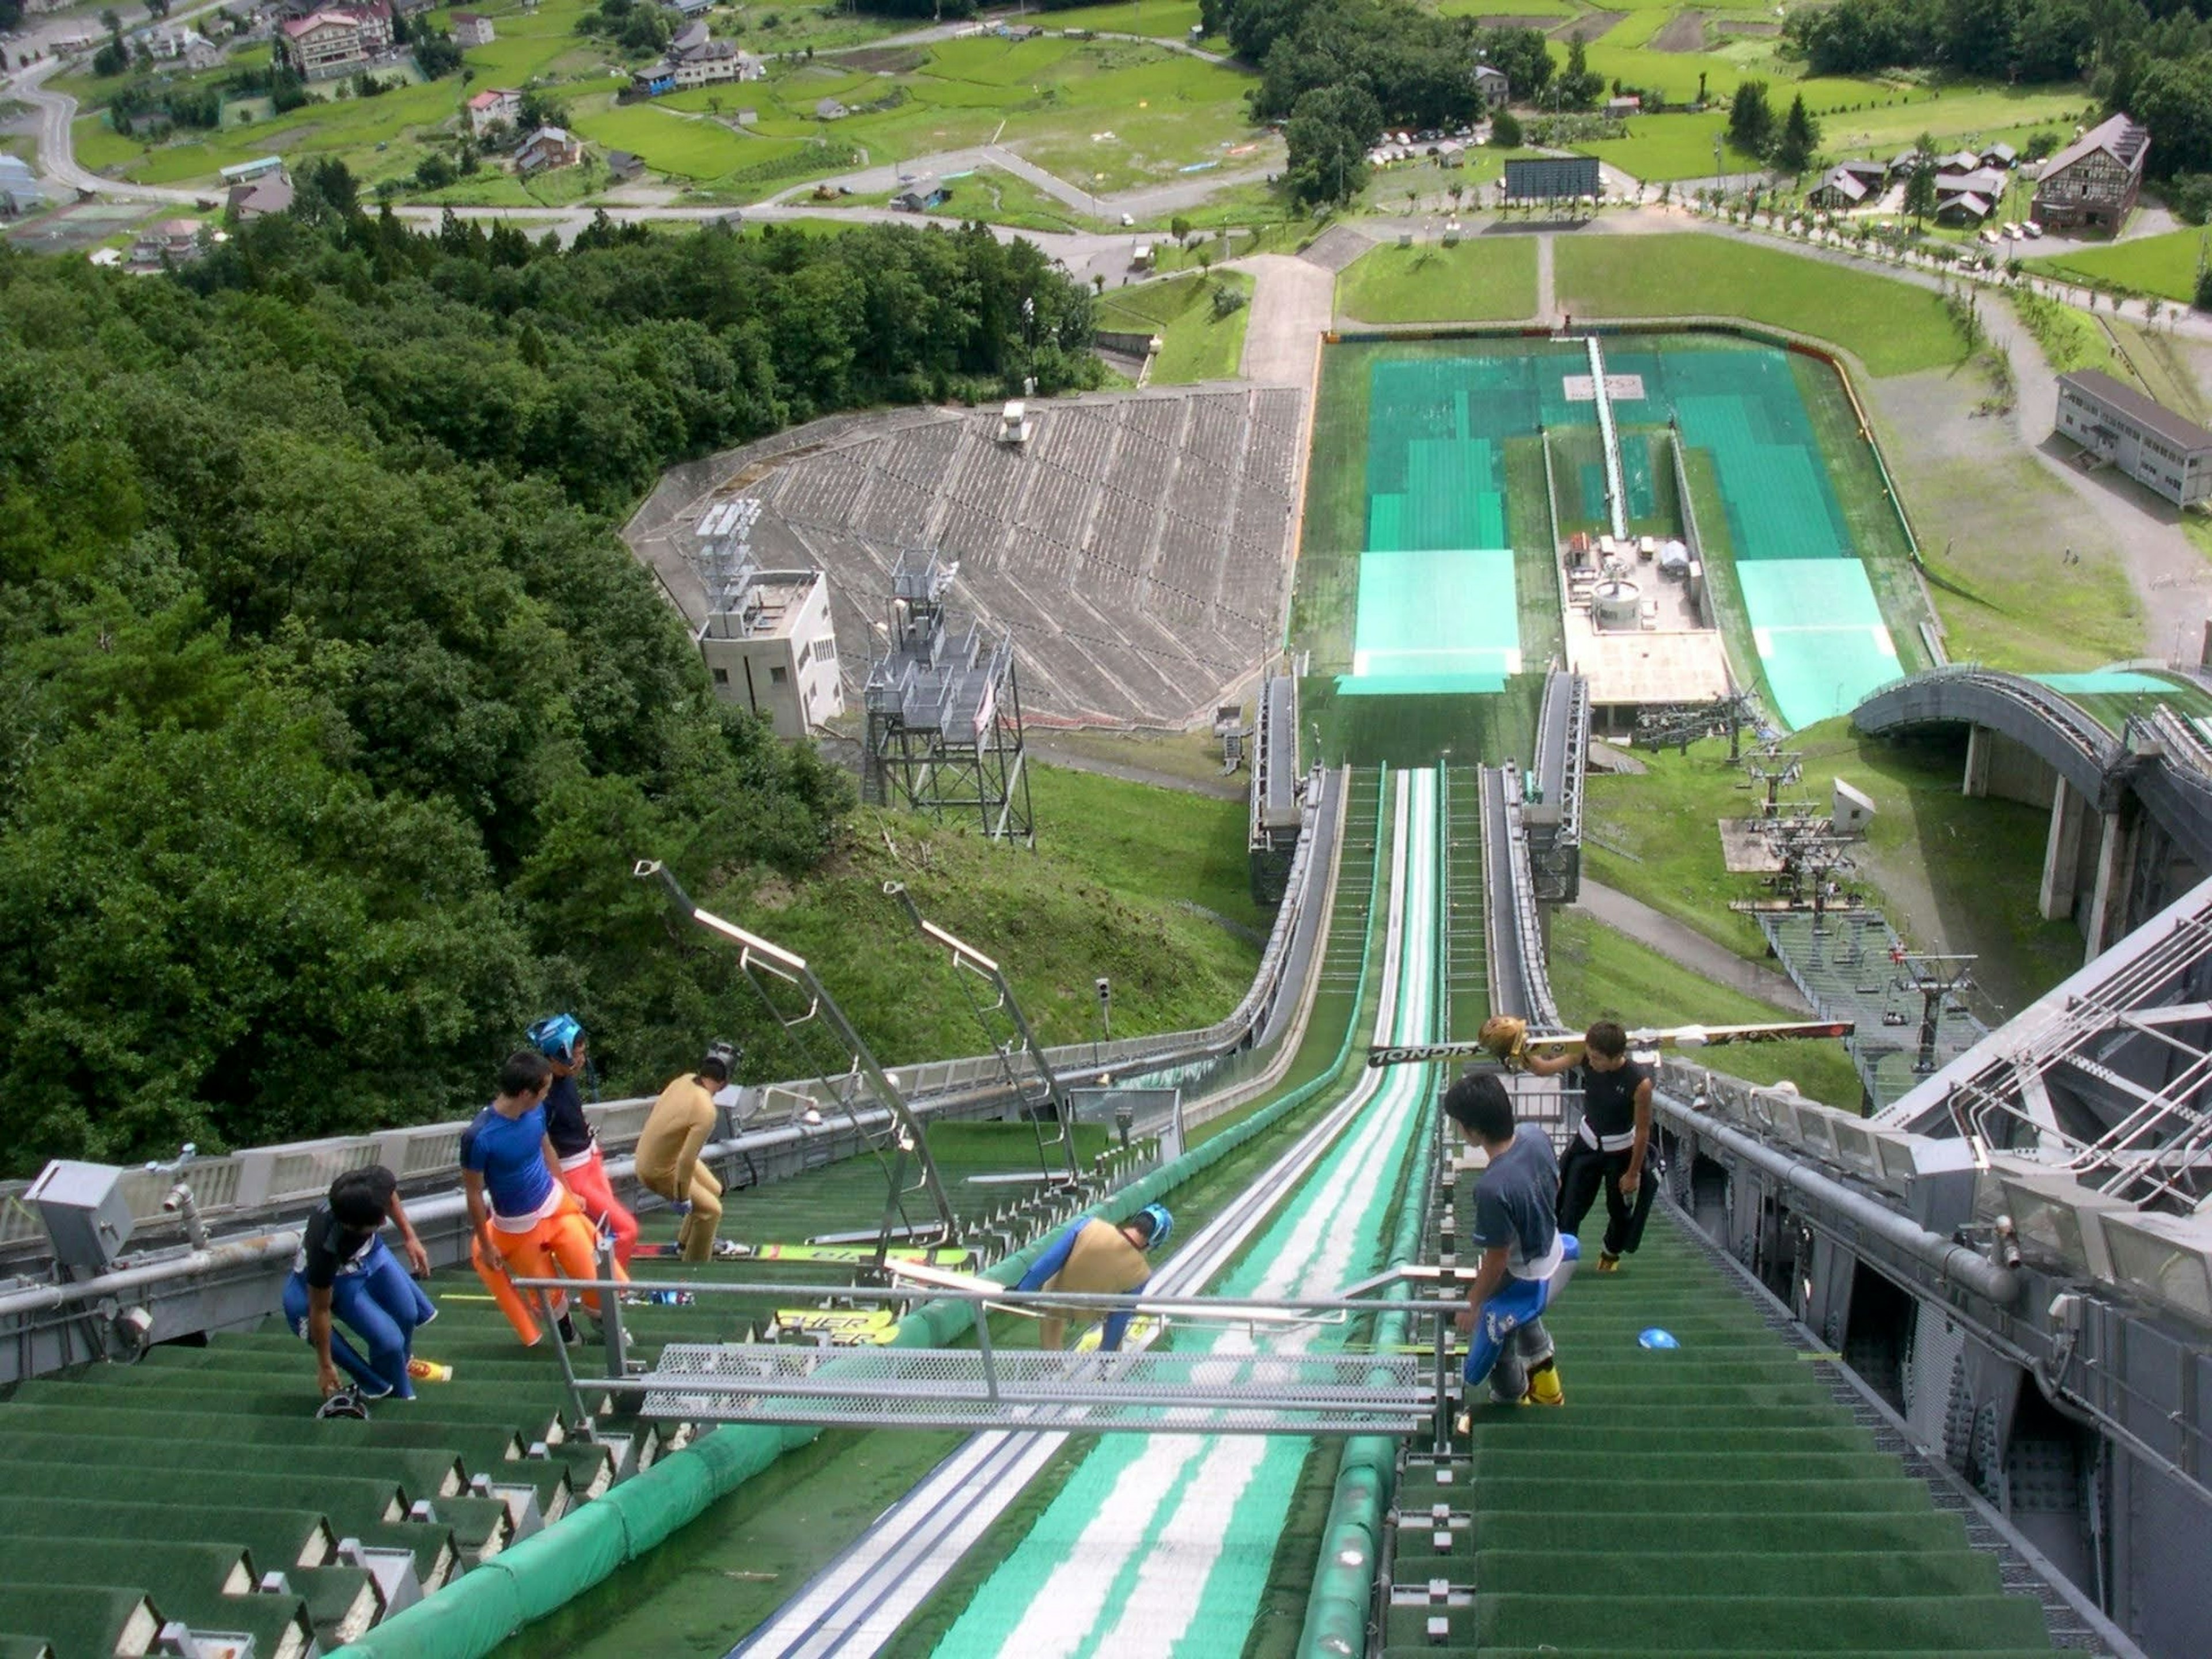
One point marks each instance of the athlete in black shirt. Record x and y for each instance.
(343, 1268)
(1607, 1153)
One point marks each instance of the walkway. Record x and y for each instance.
(1292, 304)
(1688, 948)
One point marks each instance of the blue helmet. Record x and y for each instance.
(556, 1035)
(1162, 1224)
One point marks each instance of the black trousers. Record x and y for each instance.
(1583, 1173)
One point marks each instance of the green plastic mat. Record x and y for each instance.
(2103, 682)
(1820, 634)
(1434, 621)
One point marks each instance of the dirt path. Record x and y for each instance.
(1548, 293)
(1688, 948)
(1292, 307)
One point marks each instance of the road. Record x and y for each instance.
(1145, 201)
(58, 149)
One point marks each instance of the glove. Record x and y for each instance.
(680, 1206)
(1504, 1037)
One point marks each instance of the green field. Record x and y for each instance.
(1197, 344)
(1105, 114)
(1892, 328)
(1659, 148)
(1102, 113)
(1950, 872)
(2165, 265)
(1484, 279)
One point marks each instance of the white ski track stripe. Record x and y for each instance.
(1175, 1576)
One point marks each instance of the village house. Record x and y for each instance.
(2091, 184)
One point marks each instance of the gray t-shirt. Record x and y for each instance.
(1516, 1205)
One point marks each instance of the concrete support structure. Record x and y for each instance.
(2108, 898)
(2062, 853)
(1976, 781)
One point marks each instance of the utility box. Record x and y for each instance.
(87, 1215)
(1849, 811)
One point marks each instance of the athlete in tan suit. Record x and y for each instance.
(668, 1158)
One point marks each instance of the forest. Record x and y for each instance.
(332, 708)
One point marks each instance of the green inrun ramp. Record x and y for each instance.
(1715, 1499)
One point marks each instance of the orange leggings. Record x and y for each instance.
(563, 1245)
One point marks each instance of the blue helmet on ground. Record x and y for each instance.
(556, 1035)
(1162, 1225)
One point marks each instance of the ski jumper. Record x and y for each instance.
(370, 1293)
(1089, 1258)
(1598, 1156)
(1513, 1203)
(539, 1231)
(668, 1161)
(585, 1168)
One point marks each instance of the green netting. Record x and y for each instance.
(1820, 634)
(1434, 620)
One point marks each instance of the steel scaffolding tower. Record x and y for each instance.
(945, 709)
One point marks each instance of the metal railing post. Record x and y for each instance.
(611, 1326)
(578, 1416)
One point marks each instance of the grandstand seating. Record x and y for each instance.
(1137, 546)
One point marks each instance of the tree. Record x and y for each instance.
(1801, 137)
(1751, 119)
(1505, 130)
(2174, 99)
(2204, 288)
(1179, 228)
(111, 59)
(1579, 85)
(1920, 183)
(1327, 136)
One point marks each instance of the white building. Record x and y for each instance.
(712, 61)
(2143, 438)
(492, 108)
(774, 651)
(470, 29)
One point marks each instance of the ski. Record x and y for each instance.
(1667, 1037)
(844, 1327)
(840, 1255)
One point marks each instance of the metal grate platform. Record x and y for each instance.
(1324, 1394)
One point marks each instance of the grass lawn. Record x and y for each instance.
(1891, 327)
(1658, 149)
(1950, 872)
(2070, 338)
(1197, 344)
(2160, 361)
(668, 141)
(1484, 279)
(1160, 19)
(2164, 265)
(1599, 973)
(1103, 894)
(1892, 117)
